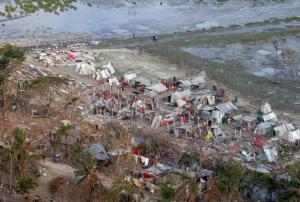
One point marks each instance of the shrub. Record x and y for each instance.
(25, 183)
(166, 191)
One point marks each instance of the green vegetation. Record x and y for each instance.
(235, 26)
(166, 192)
(24, 7)
(88, 166)
(43, 83)
(229, 176)
(273, 21)
(187, 159)
(20, 162)
(26, 183)
(10, 57)
(122, 190)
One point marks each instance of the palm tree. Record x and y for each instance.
(121, 191)
(64, 130)
(89, 185)
(20, 161)
(24, 159)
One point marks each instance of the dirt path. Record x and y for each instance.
(53, 170)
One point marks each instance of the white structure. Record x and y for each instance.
(129, 76)
(159, 87)
(110, 68)
(85, 68)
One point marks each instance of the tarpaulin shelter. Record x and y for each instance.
(184, 83)
(160, 168)
(294, 135)
(159, 88)
(113, 81)
(271, 154)
(85, 68)
(136, 151)
(227, 107)
(180, 95)
(270, 117)
(283, 129)
(263, 128)
(71, 57)
(98, 151)
(129, 76)
(265, 108)
(249, 122)
(110, 68)
(102, 74)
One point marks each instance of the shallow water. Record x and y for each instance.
(146, 19)
(259, 59)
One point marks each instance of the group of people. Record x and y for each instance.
(155, 38)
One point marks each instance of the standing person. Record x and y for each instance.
(153, 38)
(156, 39)
(140, 50)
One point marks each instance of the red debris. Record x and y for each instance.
(147, 175)
(136, 151)
(71, 57)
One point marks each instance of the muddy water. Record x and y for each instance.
(145, 19)
(260, 59)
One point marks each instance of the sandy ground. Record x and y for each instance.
(144, 65)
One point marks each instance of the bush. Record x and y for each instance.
(25, 183)
(166, 191)
(229, 176)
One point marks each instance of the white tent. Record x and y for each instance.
(85, 69)
(159, 87)
(179, 95)
(284, 129)
(102, 74)
(156, 121)
(113, 81)
(180, 102)
(129, 76)
(271, 154)
(110, 68)
(294, 135)
(265, 108)
(185, 83)
(269, 117)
